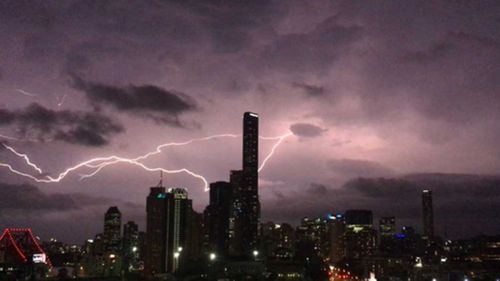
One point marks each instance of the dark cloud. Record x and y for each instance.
(356, 167)
(382, 187)
(147, 100)
(310, 90)
(421, 76)
(75, 127)
(464, 205)
(26, 197)
(306, 130)
(72, 217)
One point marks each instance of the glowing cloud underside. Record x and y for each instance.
(99, 163)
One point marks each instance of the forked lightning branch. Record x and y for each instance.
(97, 164)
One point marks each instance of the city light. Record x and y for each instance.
(212, 256)
(418, 262)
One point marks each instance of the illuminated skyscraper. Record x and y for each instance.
(336, 231)
(179, 210)
(428, 214)
(251, 146)
(246, 206)
(112, 230)
(360, 237)
(166, 229)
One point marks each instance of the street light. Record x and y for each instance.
(176, 255)
(212, 256)
(255, 253)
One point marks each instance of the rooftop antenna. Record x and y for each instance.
(160, 184)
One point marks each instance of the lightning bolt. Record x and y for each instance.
(26, 93)
(8, 138)
(273, 148)
(100, 163)
(25, 157)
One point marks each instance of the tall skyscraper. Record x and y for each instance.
(251, 145)
(428, 214)
(167, 225)
(112, 230)
(249, 193)
(245, 209)
(179, 210)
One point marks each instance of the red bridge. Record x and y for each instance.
(18, 245)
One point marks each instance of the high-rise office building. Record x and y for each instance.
(130, 246)
(360, 237)
(359, 218)
(154, 260)
(387, 231)
(387, 226)
(246, 194)
(235, 221)
(178, 215)
(428, 214)
(217, 217)
(278, 241)
(112, 230)
(167, 226)
(336, 231)
(314, 232)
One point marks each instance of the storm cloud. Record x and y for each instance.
(146, 100)
(75, 127)
(27, 197)
(307, 130)
(356, 167)
(370, 90)
(310, 90)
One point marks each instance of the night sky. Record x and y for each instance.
(405, 95)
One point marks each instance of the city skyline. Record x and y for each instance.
(404, 96)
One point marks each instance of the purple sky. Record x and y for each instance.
(378, 89)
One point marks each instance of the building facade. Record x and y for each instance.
(244, 220)
(112, 230)
(428, 214)
(167, 228)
